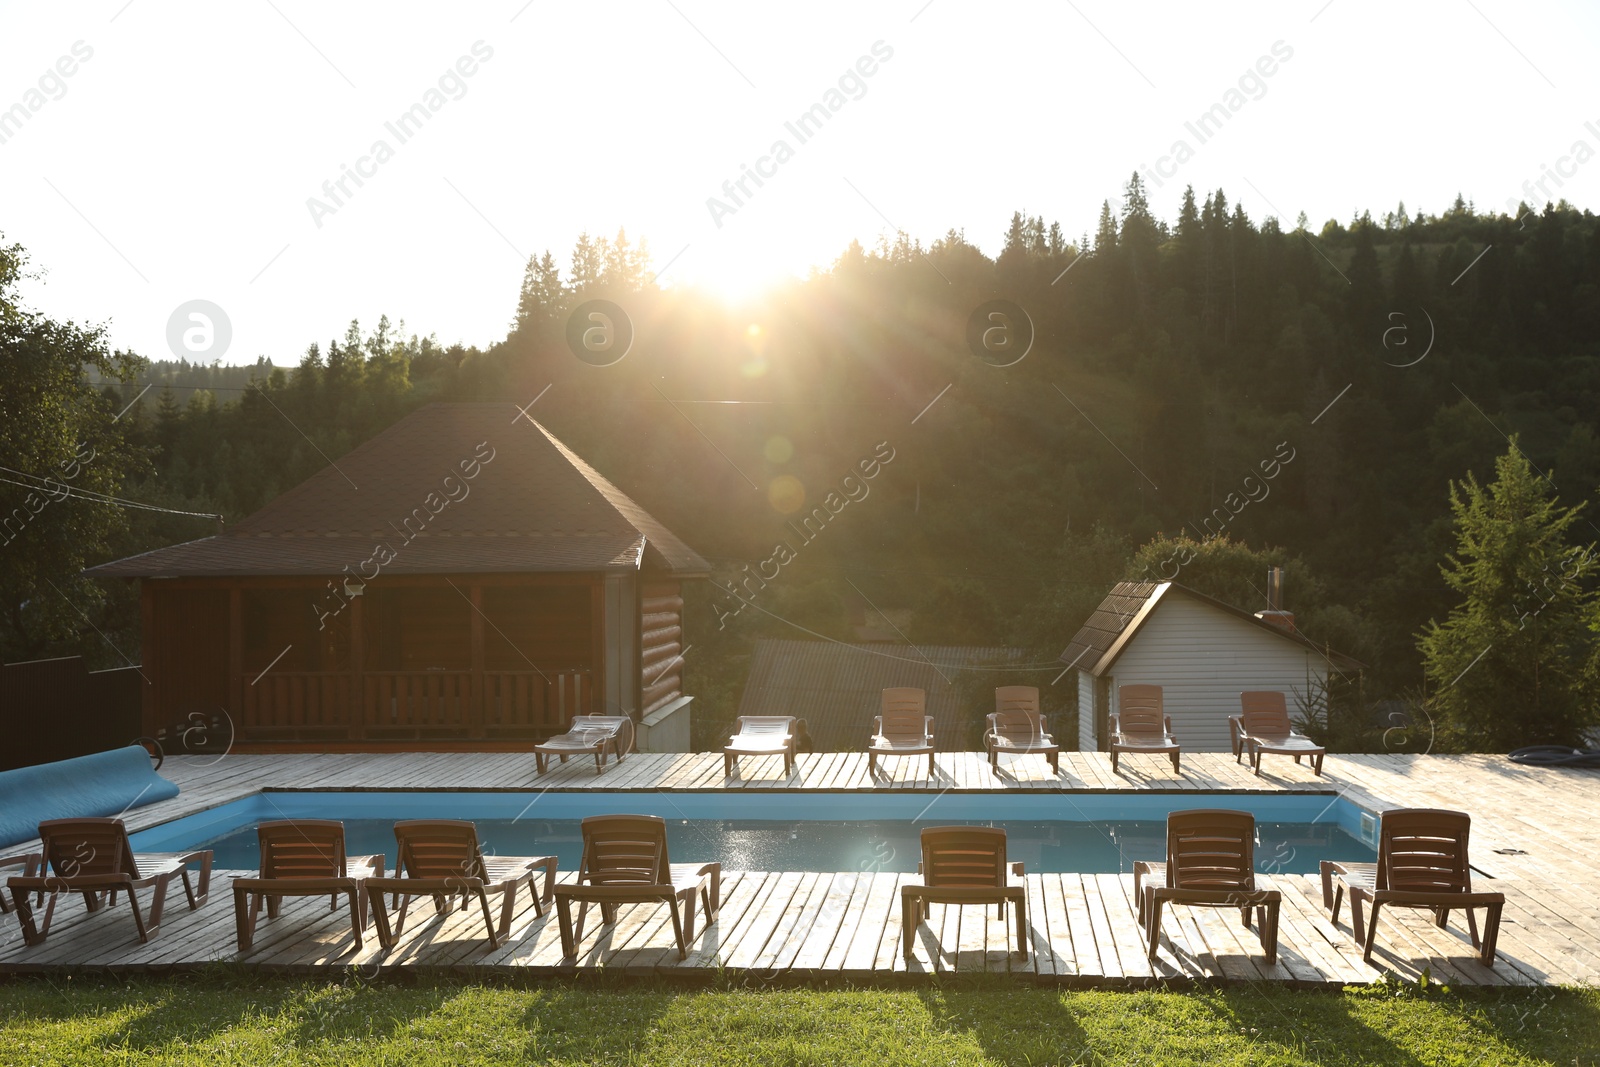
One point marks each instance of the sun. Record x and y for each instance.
(740, 279)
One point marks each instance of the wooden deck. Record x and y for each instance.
(1535, 836)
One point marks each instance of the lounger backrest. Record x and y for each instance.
(1016, 698)
(903, 726)
(74, 847)
(1424, 849)
(1139, 710)
(1211, 848)
(302, 848)
(1017, 725)
(625, 850)
(963, 856)
(749, 725)
(904, 699)
(1265, 712)
(438, 848)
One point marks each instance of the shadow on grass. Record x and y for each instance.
(1010, 1022)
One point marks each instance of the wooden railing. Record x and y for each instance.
(413, 705)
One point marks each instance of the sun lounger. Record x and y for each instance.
(1016, 728)
(625, 862)
(1210, 863)
(1422, 863)
(441, 858)
(93, 857)
(903, 728)
(1263, 726)
(303, 858)
(761, 735)
(963, 865)
(1140, 725)
(586, 734)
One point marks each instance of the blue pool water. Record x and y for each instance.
(812, 831)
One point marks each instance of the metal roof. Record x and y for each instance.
(837, 688)
(1098, 643)
(450, 488)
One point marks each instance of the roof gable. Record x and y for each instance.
(1108, 631)
(457, 488)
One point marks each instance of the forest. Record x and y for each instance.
(1384, 367)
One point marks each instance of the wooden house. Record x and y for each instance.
(1202, 652)
(461, 580)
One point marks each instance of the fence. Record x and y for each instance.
(54, 709)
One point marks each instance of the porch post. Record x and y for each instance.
(356, 706)
(477, 698)
(236, 658)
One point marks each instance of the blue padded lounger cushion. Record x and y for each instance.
(106, 783)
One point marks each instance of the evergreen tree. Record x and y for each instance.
(1505, 668)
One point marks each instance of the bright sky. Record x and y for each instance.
(175, 162)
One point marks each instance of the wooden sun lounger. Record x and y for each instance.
(303, 858)
(586, 734)
(964, 865)
(1263, 726)
(441, 858)
(1140, 724)
(93, 857)
(1016, 728)
(625, 862)
(1210, 863)
(1422, 863)
(761, 735)
(902, 729)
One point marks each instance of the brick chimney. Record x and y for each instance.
(1275, 615)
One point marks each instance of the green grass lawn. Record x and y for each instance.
(229, 1019)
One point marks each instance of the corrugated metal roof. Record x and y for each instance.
(450, 488)
(1095, 638)
(837, 688)
(1098, 643)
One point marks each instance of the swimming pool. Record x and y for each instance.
(788, 831)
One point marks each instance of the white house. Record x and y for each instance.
(1202, 652)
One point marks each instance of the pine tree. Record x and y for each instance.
(1506, 666)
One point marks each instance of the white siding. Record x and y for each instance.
(1203, 659)
(1086, 739)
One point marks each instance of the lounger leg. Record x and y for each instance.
(380, 918)
(569, 943)
(1491, 933)
(508, 907)
(488, 918)
(994, 760)
(599, 759)
(357, 918)
(688, 917)
(930, 765)
(1316, 763)
(1113, 761)
(1325, 868)
(1372, 928)
(1022, 926)
(909, 900)
(244, 917)
(539, 761)
(1153, 929)
(677, 930)
(1269, 932)
(872, 763)
(727, 765)
(1356, 926)
(1175, 768)
(1055, 762)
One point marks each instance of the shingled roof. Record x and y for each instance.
(837, 688)
(1098, 643)
(531, 505)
